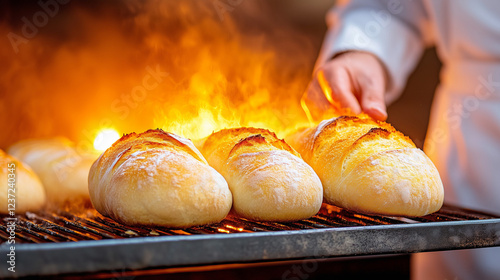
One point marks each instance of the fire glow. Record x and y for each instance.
(90, 67)
(105, 139)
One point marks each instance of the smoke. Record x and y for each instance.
(189, 67)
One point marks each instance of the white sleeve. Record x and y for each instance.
(394, 30)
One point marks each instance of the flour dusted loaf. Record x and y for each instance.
(62, 170)
(157, 178)
(368, 166)
(268, 179)
(28, 193)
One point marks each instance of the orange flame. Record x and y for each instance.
(155, 64)
(105, 138)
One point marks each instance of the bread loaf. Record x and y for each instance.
(157, 178)
(62, 170)
(25, 189)
(268, 179)
(368, 166)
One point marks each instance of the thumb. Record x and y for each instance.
(373, 103)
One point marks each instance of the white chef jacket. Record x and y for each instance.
(463, 138)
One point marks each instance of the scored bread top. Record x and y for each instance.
(347, 133)
(219, 144)
(258, 143)
(346, 127)
(153, 139)
(231, 136)
(156, 138)
(268, 179)
(157, 178)
(376, 140)
(369, 166)
(346, 142)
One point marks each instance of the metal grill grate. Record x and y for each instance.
(88, 224)
(80, 240)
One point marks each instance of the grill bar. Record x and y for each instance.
(63, 226)
(82, 241)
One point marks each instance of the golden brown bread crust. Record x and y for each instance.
(268, 179)
(258, 141)
(29, 194)
(157, 178)
(368, 166)
(221, 142)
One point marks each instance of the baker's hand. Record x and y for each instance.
(354, 80)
